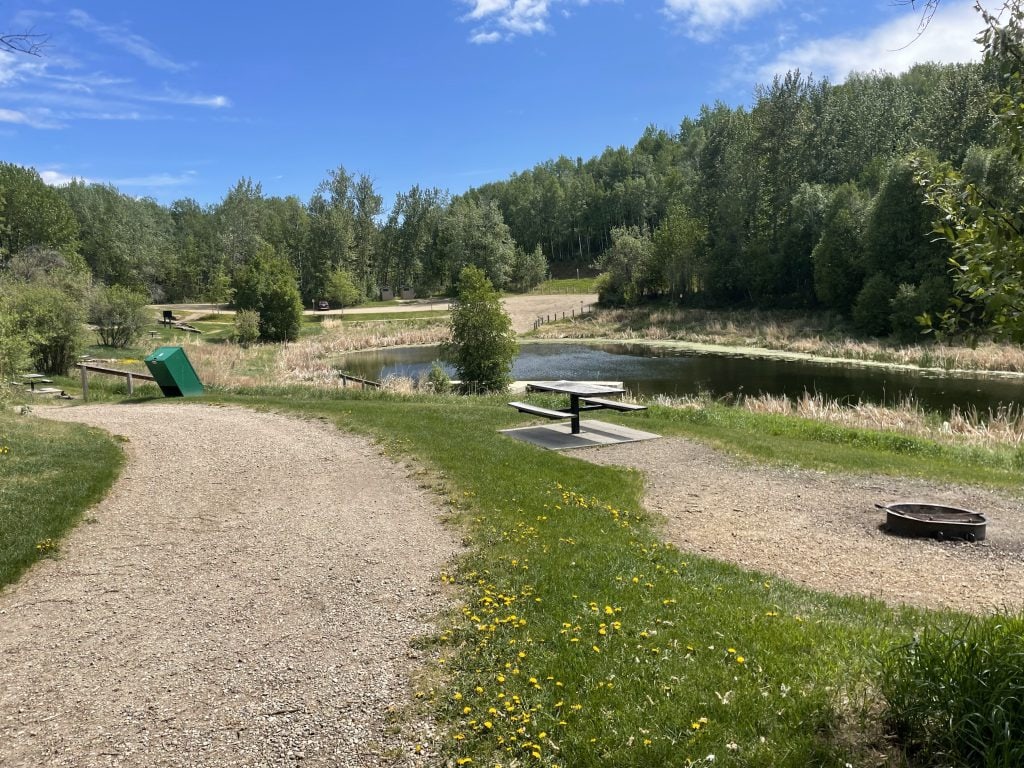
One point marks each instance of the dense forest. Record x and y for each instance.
(810, 198)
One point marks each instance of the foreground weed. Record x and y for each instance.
(956, 693)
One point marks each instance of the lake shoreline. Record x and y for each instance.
(782, 354)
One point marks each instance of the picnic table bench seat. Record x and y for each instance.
(615, 405)
(537, 410)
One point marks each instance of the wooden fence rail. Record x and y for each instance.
(129, 375)
(571, 313)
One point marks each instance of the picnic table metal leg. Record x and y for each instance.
(574, 407)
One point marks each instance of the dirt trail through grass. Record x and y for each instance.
(245, 596)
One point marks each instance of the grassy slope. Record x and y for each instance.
(49, 474)
(606, 647)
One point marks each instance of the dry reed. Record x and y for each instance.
(1003, 427)
(816, 335)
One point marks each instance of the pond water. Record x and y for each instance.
(647, 370)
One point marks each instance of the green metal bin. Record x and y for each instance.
(173, 372)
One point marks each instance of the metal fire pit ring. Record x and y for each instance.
(939, 521)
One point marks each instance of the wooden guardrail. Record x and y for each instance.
(355, 381)
(571, 313)
(129, 375)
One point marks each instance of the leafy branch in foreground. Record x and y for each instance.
(984, 222)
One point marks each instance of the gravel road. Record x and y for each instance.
(822, 530)
(245, 596)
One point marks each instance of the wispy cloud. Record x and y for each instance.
(57, 177)
(121, 37)
(703, 20)
(156, 180)
(33, 118)
(893, 47)
(505, 19)
(59, 89)
(189, 99)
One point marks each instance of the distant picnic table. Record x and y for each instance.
(583, 396)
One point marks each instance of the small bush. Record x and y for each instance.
(247, 327)
(957, 695)
(438, 380)
(119, 315)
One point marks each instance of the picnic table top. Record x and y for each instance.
(32, 375)
(580, 388)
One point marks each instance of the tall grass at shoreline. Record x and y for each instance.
(1003, 427)
(820, 335)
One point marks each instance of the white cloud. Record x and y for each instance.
(893, 47)
(502, 19)
(187, 99)
(33, 118)
(121, 37)
(59, 89)
(704, 19)
(482, 38)
(156, 180)
(59, 179)
(13, 116)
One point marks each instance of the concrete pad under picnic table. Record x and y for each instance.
(558, 437)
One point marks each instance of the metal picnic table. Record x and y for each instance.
(583, 396)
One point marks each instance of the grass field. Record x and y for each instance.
(49, 474)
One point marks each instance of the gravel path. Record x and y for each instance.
(244, 597)
(822, 530)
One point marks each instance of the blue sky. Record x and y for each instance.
(182, 99)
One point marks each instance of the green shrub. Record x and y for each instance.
(438, 380)
(51, 322)
(13, 351)
(956, 695)
(119, 315)
(247, 327)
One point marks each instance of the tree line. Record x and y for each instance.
(810, 198)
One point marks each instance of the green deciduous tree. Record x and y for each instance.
(629, 268)
(483, 344)
(342, 290)
(985, 226)
(33, 214)
(268, 286)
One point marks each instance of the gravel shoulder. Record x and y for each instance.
(245, 596)
(822, 530)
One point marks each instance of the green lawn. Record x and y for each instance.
(49, 474)
(567, 285)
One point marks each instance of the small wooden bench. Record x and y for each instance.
(615, 405)
(536, 410)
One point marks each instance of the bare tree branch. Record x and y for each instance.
(28, 42)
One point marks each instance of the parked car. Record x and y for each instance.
(322, 305)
